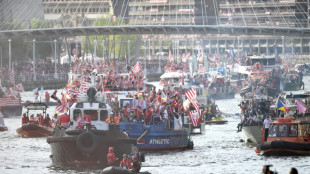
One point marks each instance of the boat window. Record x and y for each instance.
(293, 131)
(304, 130)
(273, 130)
(92, 113)
(103, 115)
(76, 113)
(283, 130)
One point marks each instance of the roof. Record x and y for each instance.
(36, 106)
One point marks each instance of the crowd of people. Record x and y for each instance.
(126, 163)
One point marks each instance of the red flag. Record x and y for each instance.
(137, 68)
(55, 97)
(196, 117)
(191, 96)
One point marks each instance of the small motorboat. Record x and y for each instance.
(286, 136)
(33, 128)
(216, 120)
(3, 128)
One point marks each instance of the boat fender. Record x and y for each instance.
(141, 157)
(190, 145)
(86, 142)
(256, 150)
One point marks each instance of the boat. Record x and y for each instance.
(293, 81)
(220, 88)
(120, 170)
(34, 128)
(49, 103)
(10, 106)
(157, 136)
(88, 146)
(215, 120)
(287, 136)
(3, 128)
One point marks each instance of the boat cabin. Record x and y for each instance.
(91, 105)
(288, 129)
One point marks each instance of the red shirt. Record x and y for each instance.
(139, 113)
(126, 162)
(111, 157)
(148, 114)
(25, 120)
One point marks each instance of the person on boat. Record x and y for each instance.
(87, 121)
(32, 119)
(1, 92)
(36, 95)
(47, 121)
(139, 113)
(147, 116)
(2, 120)
(40, 119)
(267, 125)
(47, 96)
(126, 162)
(136, 165)
(55, 121)
(166, 119)
(111, 157)
(25, 119)
(64, 120)
(81, 121)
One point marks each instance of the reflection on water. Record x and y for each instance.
(218, 151)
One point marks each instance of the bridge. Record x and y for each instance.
(60, 18)
(155, 29)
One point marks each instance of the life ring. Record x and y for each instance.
(86, 142)
(141, 157)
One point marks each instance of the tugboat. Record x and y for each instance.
(33, 128)
(286, 136)
(157, 135)
(87, 146)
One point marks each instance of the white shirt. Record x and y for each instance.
(267, 123)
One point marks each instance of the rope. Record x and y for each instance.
(143, 134)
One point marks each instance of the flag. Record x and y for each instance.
(42, 91)
(53, 96)
(85, 86)
(191, 94)
(281, 106)
(35, 90)
(170, 56)
(137, 68)
(12, 76)
(163, 97)
(300, 107)
(60, 109)
(196, 117)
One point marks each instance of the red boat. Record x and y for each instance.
(34, 128)
(286, 136)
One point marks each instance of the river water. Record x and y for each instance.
(217, 151)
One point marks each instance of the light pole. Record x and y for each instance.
(1, 56)
(34, 59)
(95, 47)
(129, 52)
(76, 50)
(55, 74)
(103, 47)
(145, 71)
(10, 55)
(160, 54)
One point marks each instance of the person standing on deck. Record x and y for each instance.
(47, 96)
(111, 157)
(267, 125)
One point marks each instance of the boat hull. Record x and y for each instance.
(284, 148)
(12, 111)
(34, 130)
(3, 128)
(252, 133)
(216, 122)
(67, 151)
(155, 137)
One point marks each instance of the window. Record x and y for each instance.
(283, 130)
(76, 113)
(92, 113)
(293, 131)
(273, 130)
(103, 115)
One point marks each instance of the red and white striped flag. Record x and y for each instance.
(191, 96)
(60, 109)
(137, 68)
(170, 56)
(196, 117)
(85, 87)
(71, 92)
